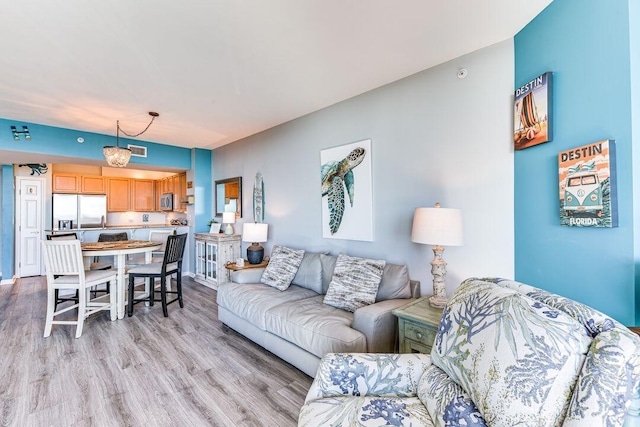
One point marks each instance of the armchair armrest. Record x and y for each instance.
(250, 275)
(379, 324)
(365, 374)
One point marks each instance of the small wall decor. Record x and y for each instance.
(587, 178)
(39, 168)
(258, 198)
(532, 117)
(347, 167)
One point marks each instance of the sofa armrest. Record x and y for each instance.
(366, 374)
(379, 324)
(250, 275)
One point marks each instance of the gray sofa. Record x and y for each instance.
(296, 326)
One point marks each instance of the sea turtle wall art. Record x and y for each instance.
(347, 169)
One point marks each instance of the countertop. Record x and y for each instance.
(118, 227)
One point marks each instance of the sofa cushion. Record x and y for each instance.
(328, 265)
(395, 283)
(309, 274)
(446, 402)
(252, 301)
(355, 282)
(282, 267)
(314, 326)
(517, 358)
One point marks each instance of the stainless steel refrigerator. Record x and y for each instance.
(73, 211)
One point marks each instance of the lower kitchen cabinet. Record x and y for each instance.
(213, 252)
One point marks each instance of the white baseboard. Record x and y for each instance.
(8, 281)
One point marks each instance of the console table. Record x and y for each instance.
(213, 252)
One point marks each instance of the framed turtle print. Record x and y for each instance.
(346, 189)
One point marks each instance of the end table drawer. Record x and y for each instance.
(419, 333)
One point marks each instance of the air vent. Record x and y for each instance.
(137, 150)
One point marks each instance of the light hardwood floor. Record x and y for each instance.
(147, 370)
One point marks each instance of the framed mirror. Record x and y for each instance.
(229, 196)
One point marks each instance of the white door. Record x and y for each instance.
(30, 226)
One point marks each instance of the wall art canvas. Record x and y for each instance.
(532, 113)
(587, 177)
(347, 196)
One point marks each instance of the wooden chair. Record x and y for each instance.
(65, 270)
(171, 263)
(58, 299)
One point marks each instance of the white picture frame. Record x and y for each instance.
(215, 228)
(357, 219)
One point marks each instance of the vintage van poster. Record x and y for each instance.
(587, 177)
(532, 113)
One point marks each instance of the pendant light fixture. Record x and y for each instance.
(117, 156)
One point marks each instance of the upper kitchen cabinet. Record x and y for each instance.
(92, 184)
(158, 192)
(167, 185)
(143, 191)
(65, 183)
(118, 194)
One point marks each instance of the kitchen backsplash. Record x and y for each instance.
(138, 218)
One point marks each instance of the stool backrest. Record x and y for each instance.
(63, 236)
(63, 258)
(160, 236)
(113, 237)
(174, 249)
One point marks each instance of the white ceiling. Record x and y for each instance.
(221, 70)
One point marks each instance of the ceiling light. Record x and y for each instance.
(117, 156)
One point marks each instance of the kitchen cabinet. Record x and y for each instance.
(167, 185)
(213, 252)
(158, 192)
(92, 184)
(65, 183)
(142, 197)
(118, 194)
(179, 192)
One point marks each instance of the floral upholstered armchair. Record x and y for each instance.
(505, 354)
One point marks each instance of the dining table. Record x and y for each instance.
(119, 250)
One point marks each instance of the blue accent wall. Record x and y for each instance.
(203, 190)
(586, 45)
(63, 142)
(7, 222)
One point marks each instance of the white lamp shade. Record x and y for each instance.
(437, 226)
(254, 232)
(228, 217)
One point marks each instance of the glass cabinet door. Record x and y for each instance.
(212, 260)
(200, 258)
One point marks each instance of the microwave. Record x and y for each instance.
(166, 202)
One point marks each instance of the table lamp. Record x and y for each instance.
(255, 233)
(228, 218)
(439, 227)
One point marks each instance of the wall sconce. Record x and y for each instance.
(17, 133)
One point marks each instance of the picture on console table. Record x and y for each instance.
(532, 113)
(587, 178)
(347, 196)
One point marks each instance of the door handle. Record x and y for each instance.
(35, 232)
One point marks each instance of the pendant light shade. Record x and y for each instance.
(117, 156)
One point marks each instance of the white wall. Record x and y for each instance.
(435, 138)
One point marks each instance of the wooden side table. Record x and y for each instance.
(234, 267)
(418, 324)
